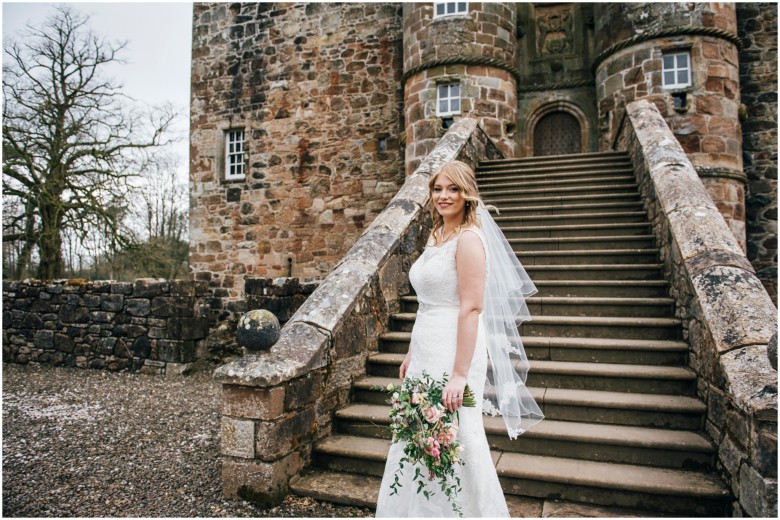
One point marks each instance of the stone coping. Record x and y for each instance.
(741, 319)
(305, 338)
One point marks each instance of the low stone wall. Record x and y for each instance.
(729, 317)
(151, 325)
(275, 405)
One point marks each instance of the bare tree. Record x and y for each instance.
(162, 210)
(70, 139)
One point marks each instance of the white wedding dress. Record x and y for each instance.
(434, 340)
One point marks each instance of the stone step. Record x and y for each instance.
(576, 230)
(338, 487)
(556, 162)
(623, 485)
(591, 350)
(508, 212)
(362, 491)
(551, 200)
(602, 350)
(603, 327)
(614, 217)
(581, 243)
(578, 440)
(523, 182)
(605, 288)
(583, 306)
(520, 194)
(546, 172)
(670, 491)
(588, 257)
(609, 377)
(563, 404)
(580, 327)
(596, 272)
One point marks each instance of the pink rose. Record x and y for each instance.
(433, 414)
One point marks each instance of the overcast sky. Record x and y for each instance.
(159, 37)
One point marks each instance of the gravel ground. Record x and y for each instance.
(89, 443)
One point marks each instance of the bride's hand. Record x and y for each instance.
(452, 396)
(405, 366)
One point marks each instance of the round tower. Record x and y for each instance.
(458, 61)
(683, 57)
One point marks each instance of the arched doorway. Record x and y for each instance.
(557, 133)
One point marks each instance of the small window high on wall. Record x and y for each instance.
(448, 102)
(234, 155)
(677, 70)
(449, 8)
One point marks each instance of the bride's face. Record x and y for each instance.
(447, 197)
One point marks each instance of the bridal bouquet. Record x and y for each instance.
(418, 418)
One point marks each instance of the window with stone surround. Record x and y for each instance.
(448, 102)
(234, 154)
(449, 8)
(677, 69)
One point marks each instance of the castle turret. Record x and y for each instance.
(458, 59)
(683, 57)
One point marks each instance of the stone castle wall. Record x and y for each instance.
(476, 49)
(757, 26)
(704, 116)
(555, 53)
(316, 87)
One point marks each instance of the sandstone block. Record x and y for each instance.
(237, 438)
(274, 439)
(303, 391)
(757, 494)
(253, 403)
(265, 483)
(737, 309)
(763, 455)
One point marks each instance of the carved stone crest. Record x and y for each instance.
(554, 30)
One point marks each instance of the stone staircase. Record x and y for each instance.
(623, 425)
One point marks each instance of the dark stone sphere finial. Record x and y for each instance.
(258, 330)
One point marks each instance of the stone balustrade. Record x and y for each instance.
(729, 317)
(275, 405)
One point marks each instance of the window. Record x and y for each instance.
(234, 155)
(449, 99)
(677, 70)
(449, 8)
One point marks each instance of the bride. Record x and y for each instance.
(471, 291)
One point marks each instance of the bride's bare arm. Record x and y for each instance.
(470, 265)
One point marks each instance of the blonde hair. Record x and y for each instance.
(464, 178)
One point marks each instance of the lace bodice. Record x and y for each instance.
(434, 275)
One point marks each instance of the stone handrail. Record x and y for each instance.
(275, 405)
(728, 316)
